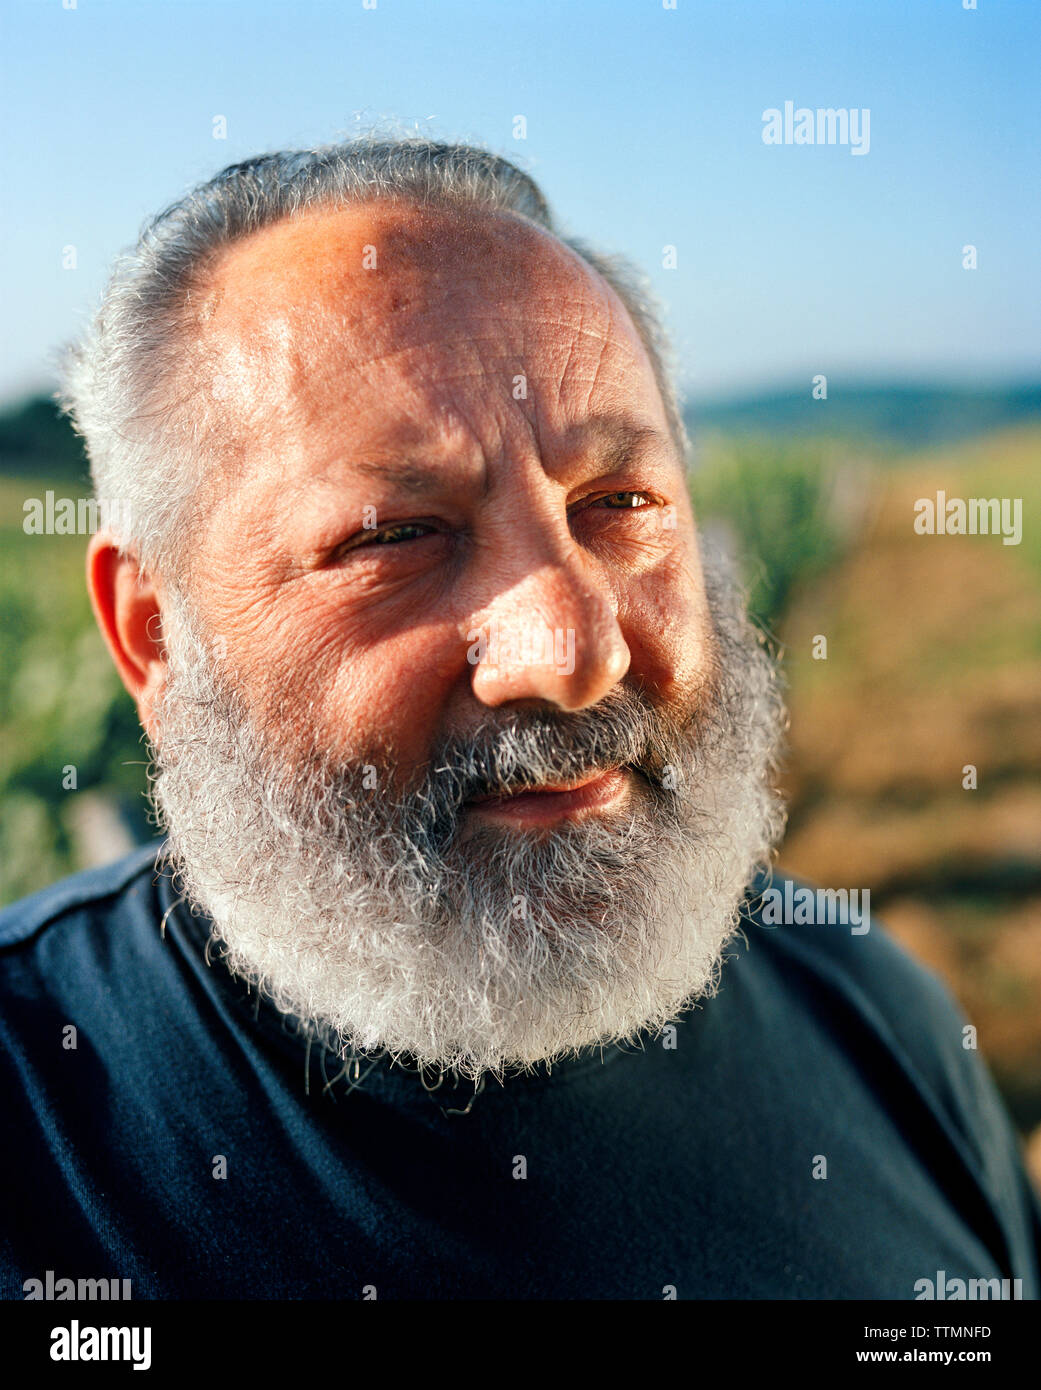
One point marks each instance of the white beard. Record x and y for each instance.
(371, 923)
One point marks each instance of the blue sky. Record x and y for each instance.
(644, 127)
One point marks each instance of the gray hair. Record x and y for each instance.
(146, 450)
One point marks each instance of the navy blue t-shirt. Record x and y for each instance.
(816, 1130)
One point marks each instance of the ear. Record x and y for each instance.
(127, 607)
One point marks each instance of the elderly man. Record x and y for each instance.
(465, 758)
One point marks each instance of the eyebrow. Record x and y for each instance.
(409, 475)
(618, 438)
(622, 438)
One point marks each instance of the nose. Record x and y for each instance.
(551, 635)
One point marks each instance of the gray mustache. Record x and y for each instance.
(529, 749)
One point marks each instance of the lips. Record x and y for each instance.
(554, 801)
(547, 789)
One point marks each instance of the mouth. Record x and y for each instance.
(600, 792)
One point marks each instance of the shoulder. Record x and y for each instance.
(893, 1018)
(830, 982)
(831, 940)
(87, 896)
(90, 951)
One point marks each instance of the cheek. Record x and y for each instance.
(665, 621)
(359, 688)
(391, 696)
(353, 672)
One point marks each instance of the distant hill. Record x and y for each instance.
(899, 416)
(37, 441)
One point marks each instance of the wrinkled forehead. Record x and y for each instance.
(385, 290)
(363, 256)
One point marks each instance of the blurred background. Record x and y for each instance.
(777, 266)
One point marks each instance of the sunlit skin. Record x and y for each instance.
(558, 504)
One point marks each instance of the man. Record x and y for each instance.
(465, 757)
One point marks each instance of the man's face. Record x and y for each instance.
(458, 750)
(454, 434)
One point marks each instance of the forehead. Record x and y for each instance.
(384, 297)
(382, 258)
(353, 257)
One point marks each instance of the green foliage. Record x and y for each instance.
(61, 705)
(780, 505)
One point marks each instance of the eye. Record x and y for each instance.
(388, 535)
(406, 531)
(626, 501)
